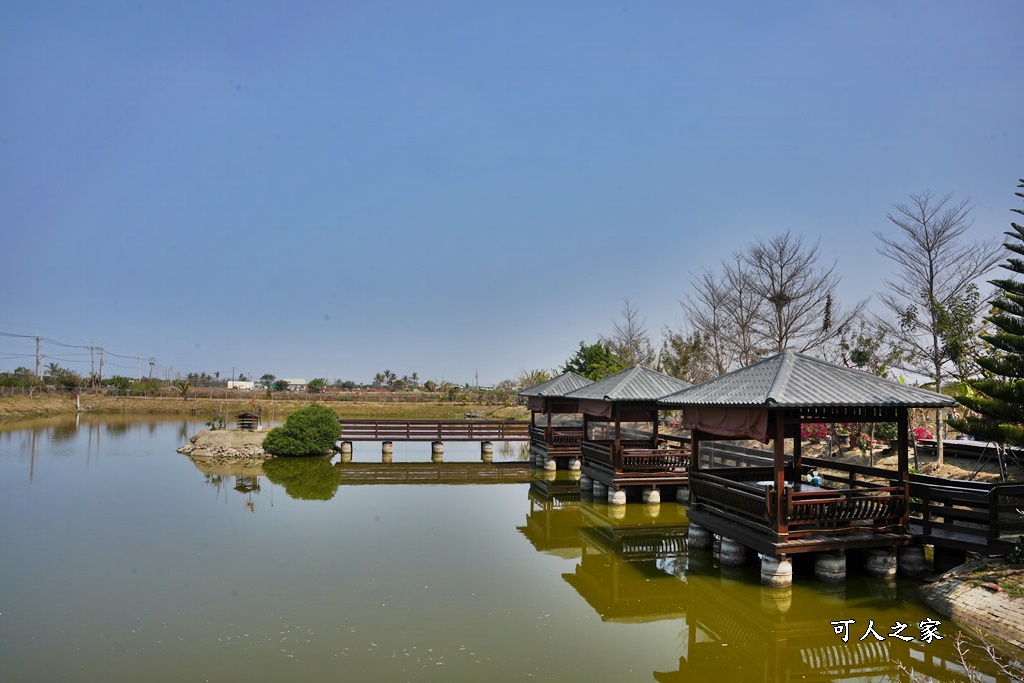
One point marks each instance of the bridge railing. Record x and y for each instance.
(434, 430)
(981, 513)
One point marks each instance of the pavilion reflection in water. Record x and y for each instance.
(631, 561)
(633, 567)
(553, 523)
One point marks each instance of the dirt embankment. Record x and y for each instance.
(45, 405)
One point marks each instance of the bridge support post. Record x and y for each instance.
(586, 483)
(600, 491)
(575, 465)
(683, 495)
(880, 563)
(346, 447)
(776, 572)
(910, 560)
(697, 538)
(651, 495)
(437, 451)
(387, 448)
(346, 457)
(830, 567)
(486, 449)
(616, 496)
(733, 553)
(550, 465)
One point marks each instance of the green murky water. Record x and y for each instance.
(121, 560)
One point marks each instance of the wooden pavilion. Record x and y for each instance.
(772, 509)
(558, 438)
(622, 449)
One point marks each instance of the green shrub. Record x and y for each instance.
(308, 431)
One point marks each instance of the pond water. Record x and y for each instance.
(121, 560)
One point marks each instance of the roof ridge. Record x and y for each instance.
(782, 376)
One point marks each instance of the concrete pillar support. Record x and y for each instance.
(683, 495)
(346, 447)
(486, 447)
(586, 483)
(575, 465)
(616, 496)
(550, 465)
(600, 491)
(910, 560)
(698, 538)
(830, 567)
(387, 448)
(776, 572)
(652, 495)
(880, 563)
(732, 553)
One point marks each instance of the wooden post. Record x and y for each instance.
(903, 461)
(780, 523)
(617, 451)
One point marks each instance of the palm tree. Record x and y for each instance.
(183, 385)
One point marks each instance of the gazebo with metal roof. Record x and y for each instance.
(621, 457)
(771, 508)
(555, 442)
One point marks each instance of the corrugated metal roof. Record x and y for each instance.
(558, 386)
(635, 384)
(793, 380)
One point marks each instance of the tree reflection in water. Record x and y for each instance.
(304, 478)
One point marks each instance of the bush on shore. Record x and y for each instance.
(308, 431)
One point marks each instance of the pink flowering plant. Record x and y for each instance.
(813, 431)
(922, 433)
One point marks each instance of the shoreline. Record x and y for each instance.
(15, 408)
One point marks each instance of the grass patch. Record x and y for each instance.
(1009, 578)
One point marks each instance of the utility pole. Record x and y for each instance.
(39, 358)
(101, 365)
(138, 360)
(152, 362)
(92, 364)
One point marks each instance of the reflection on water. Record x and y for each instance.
(304, 478)
(154, 568)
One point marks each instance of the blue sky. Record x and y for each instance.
(451, 188)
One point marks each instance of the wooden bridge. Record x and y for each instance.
(434, 430)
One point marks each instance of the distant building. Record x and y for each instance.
(240, 384)
(295, 384)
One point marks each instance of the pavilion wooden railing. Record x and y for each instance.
(655, 460)
(560, 439)
(636, 456)
(735, 494)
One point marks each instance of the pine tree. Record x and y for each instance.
(998, 397)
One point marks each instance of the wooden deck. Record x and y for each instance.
(434, 430)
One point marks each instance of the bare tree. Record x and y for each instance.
(743, 306)
(937, 267)
(629, 339)
(708, 320)
(801, 311)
